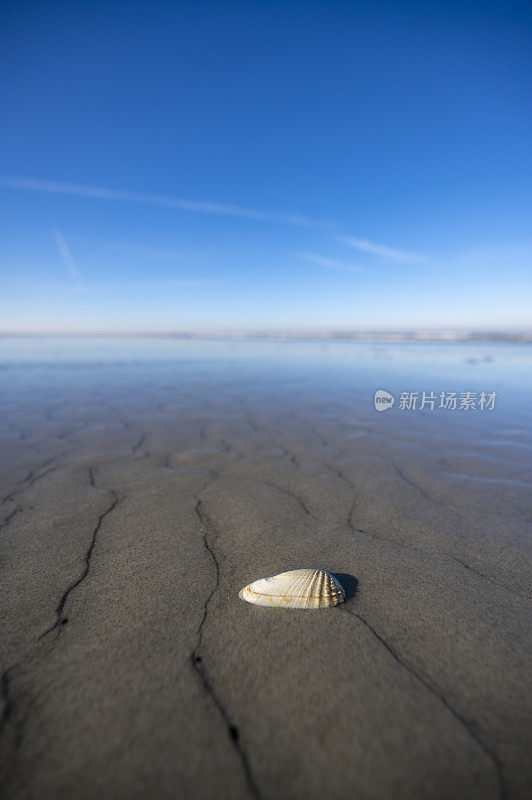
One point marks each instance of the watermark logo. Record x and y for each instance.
(383, 400)
(440, 401)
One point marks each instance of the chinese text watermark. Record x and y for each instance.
(436, 401)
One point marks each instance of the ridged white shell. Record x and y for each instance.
(299, 588)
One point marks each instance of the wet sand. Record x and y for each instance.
(131, 518)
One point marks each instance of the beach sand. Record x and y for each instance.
(131, 669)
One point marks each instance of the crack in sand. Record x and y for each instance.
(8, 715)
(288, 493)
(197, 661)
(32, 478)
(496, 762)
(7, 703)
(60, 618)
(429, 553)
(295, 461)
(138, 445)
(419, 488)
(68, 433)
(252, 424)
(5, 522)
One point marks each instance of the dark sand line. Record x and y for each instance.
(196, 659)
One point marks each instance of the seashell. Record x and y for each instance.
(299, 588)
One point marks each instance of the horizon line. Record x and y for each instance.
(414, 333)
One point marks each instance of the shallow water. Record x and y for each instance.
(329, 369)
(331, 381)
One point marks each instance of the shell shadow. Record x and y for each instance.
(348, 583)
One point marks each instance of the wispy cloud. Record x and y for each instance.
(207, 207)
(65, 254)
(180, 203)
(330, 263)
(381, 250)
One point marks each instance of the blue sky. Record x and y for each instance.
(192, 165)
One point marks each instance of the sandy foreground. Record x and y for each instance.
(131, 669)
